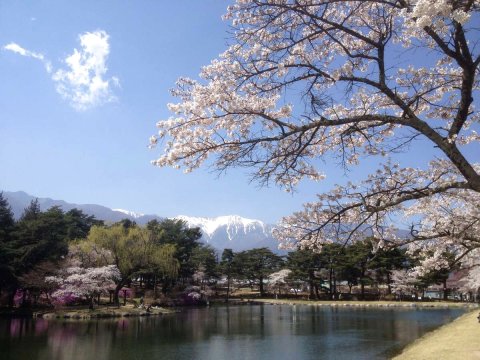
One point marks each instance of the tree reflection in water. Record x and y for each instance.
(239, 332)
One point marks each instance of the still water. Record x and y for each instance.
(221, 332)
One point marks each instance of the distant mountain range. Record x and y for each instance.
(221, 232)
(19, 200)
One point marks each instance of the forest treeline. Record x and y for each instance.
(54, 257)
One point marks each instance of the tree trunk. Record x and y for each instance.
(311, 281)
(334, 285)
(330, 283)
(445, 290)
(261, 286)
(24, 297)
(154, 287)
(11, 298)
(228, 287)
(116, 299)
(165, 286)
(389, 285)
(362, 284)
(124, 297)
(311, 286)
(35, 296)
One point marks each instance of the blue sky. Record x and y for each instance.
(88, 143)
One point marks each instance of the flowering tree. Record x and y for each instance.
(87, 283)
(403, 282)
(307, 79)
(472, 282)
(279, 280)
(197, 293)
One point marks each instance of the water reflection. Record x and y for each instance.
(236, 332)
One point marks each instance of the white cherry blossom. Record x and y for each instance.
(319, 79)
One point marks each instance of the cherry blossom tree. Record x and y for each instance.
(86, 283)
(403, 282)
(308, 80)
(279, 280)
(472, 282)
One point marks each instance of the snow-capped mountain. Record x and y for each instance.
(235, 225)
(130, 213)
(222, 232)
(233, 232)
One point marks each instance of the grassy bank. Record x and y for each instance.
(368, 303)
(459, 339)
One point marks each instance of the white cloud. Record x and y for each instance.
(83, 83)
(17, 49)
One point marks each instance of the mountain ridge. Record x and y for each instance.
(227, 231)
(241, 233)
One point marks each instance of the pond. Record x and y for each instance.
(221, 332)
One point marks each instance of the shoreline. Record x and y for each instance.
(458, 339)
(373, 304)
(129, 311)
(106, 312)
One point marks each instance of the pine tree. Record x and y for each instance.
(7, 249)
(31, 212)
(7, 222)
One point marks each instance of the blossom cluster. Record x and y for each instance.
(85, 283)
(314, 79)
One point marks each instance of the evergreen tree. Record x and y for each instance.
(256, 264)
(127, 223)
(185, 239)
(78, 224)
(31, 212)
(304, 264)
(227, 267)
(332, 259)
(385, 261)
(7, 222)
(42, 237)
(204, 259)
(8, 253)
(357, 263)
